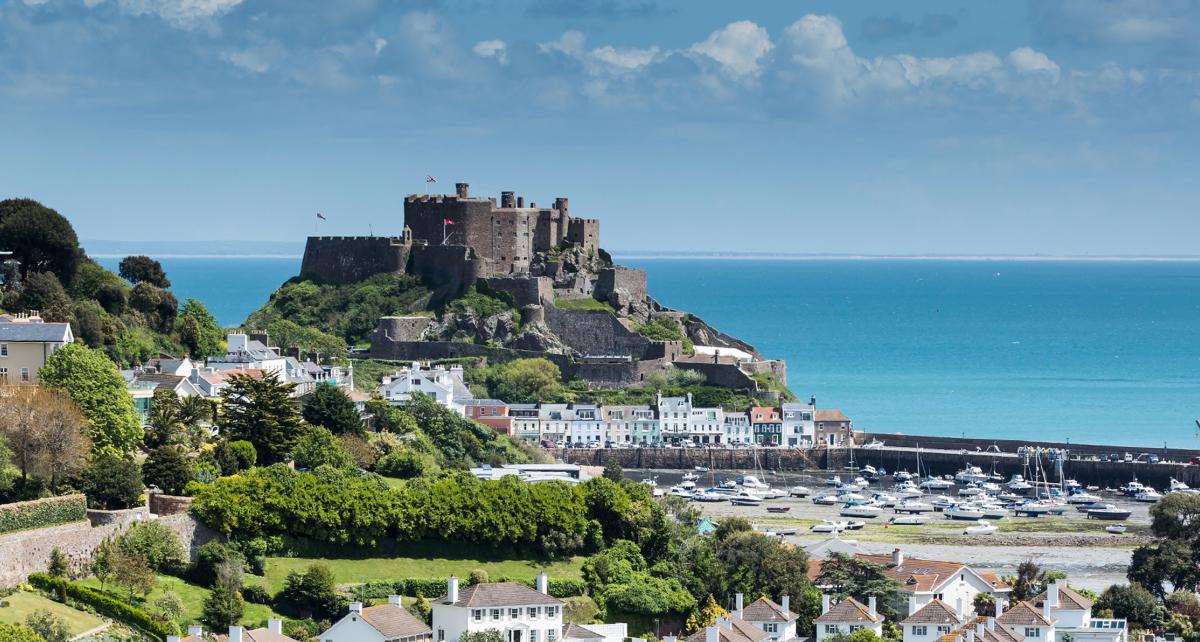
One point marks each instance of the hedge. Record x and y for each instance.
(434, 588)
(40, 513)
(104, 604)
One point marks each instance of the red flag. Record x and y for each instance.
(447, 221)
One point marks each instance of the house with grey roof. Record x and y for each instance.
(930, 622)
(26, 342)
(846, 617)
(389, 622)
(775, 619)
(519, 613)
(1072, 615)
(445, 385)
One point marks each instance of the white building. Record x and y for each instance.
(585, 424)
(931, 622)
(525, 422)
(389, 622)
(519, 613)
(738, 429)
(726, 629)
(706, 425)
(1072, 616)
(445, 386)
(249, 352)
(555, 421)
(1029, 621)
(926, 580)
(846, 617)
(673, 416)
(799, 427)
(776, 620)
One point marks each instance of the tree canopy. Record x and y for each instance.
(330, 407)
(93, 382)
(260, 410)
(143, 269)
(40, 239)
(198, 330)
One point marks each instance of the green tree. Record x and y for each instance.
(985, 604)
(402, 464)
(40, 239)
(101, 562)
(331, 408)
(170, 606)
(1028, 580)
(316, 446)
(112, 482)
(311, 592)
(1129, 601)
(262, 412)
(44, 292)
(97, 387)
(143, 269)
(51, 627)
(848, 576)
(613, 471)
(157, 305)
(131, 572)
(197, 330)
(58, 563)
(223, 607)
(156, 543)
(388, 418)
(704, 615)
(168, 468)
(18, 633)
(1169, 562)
(7, 472)
(528, 381)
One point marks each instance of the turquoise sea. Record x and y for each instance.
(1091, 351)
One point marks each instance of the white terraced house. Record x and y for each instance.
(585, 424)
(930, 622)
(673, 416)
(776, 620)
(389, 622)
(846, 617)
(520, 613)
(706, 425)
(737, 428)
(1072, 615)
(446, 386)
(799, 428)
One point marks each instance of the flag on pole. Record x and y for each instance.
(447, 221)
(430, 179)
(321, 216)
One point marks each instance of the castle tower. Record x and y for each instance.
(463, 190)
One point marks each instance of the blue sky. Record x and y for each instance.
(1054, 127)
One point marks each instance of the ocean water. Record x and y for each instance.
(1093, 352)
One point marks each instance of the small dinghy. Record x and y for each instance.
(1115, 529)
(982, 528)
(908, 520)
(778, 509)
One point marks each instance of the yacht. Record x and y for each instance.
(963, 511)
(1109, 512)
(690, 477)
(751, 482)
(1132, 488)
(861, 510)
(970, 475)
(970, 491)
(885, 500)
(941, 502)
(908, 520)
(982, 528)
(1180, 487)
(680, 491)
(1017, 484)
(1148, 496)
(824, 500)
(688, 484)
(992, 511)
(799, 491)
(835, 480)
(913, 506)
(1115, 529)
(1082, 498)
(902, 476)
(745, 498)
(855, 525)
(829, 526)
(708, 496)
(851, 497)
(933, 483)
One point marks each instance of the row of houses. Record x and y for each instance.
(667, 421)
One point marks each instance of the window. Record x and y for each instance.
(771, 627)
(551, 611)
(1033, 632)
(533, 636)
(920, 630)
(25, 374)
(514, 614)
(477, 614)
(533, 611)
(441, 635)
(831, 629)
(551, 635)
(3, 349)
(855, 627)
(496, 613)
(3, 375)
(943, 630)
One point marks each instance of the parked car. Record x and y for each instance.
(1195, 461)
(1154, 459)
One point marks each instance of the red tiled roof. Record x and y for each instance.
(848, 610)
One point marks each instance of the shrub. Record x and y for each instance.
(51, 627)
(157, 543)
(312, 591)
(477, 576)
(18, 633)
(209, 557)
(402, 464)
(256, 594)
(113, 482)
(103, 604)
(40, 513)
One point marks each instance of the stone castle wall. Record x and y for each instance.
(400, 328)
(524, 290)
(25, 552)
(347, 259)
(595, 333)
(621, 287)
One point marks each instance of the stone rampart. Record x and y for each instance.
(435, 350)
(161, 504)
(726, 375)
(99, 517)
(401, 328)
(621, 286)
(348, 259)
(595, 333)
(25, 552)
(446, 269)
(524, 290)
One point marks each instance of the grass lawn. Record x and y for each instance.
(587, 304)
(420, 560)
(22, 603)
(193, 597)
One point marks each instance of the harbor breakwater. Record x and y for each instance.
(939, 456)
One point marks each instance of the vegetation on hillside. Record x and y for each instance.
(131, 319)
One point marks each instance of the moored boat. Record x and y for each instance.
(861, 510)
(1109, 512)
(778, 509)
(982, 528)
(908, 520)
(1115, 529)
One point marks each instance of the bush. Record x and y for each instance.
(40, 513)
(18, 633)
(209, 557)
(113, 482)
(244, 453)
(157, 543)
(102, 603)
(51, 627)
(312, 591)
(402, 464)
(256, 594)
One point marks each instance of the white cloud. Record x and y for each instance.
(258, 60)
(180, 13)
(1030, 61)
(35, 3)
(496, 49)
(624, 59)
(606, 59)
(380, 43)
(570, 44)
(738, 48)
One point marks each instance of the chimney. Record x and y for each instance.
(394, 600)
(871, 605)
(897, 557)
(356, 607)
(958, 608)
(261, 337)
(980, 627)
(1046, 607)
(543, 584)
(824, 603)
(991, 622)
(737, 605)
(1052, 594)
(712, 634)
(970, 635)
(195, 630)
(521, 201)
(912, 604)
(235, 633)
(236, 342)
(787, 602)
(507, 199)
(463, 190)
(275, 625)
(452, 590)
(812, 401)
(1000, 606)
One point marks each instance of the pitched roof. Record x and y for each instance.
(572, 630)
(1023, 614)
(1068, 600)
(848, 610)
(936, 612)
(732, 629)
(168, 381)
(35, 332)
(994, 580)
(500, 594)
(830, 415)
(766, 610)
(916, 575)
(266, 635)
(393, 621)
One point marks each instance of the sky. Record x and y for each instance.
(1062, 127)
